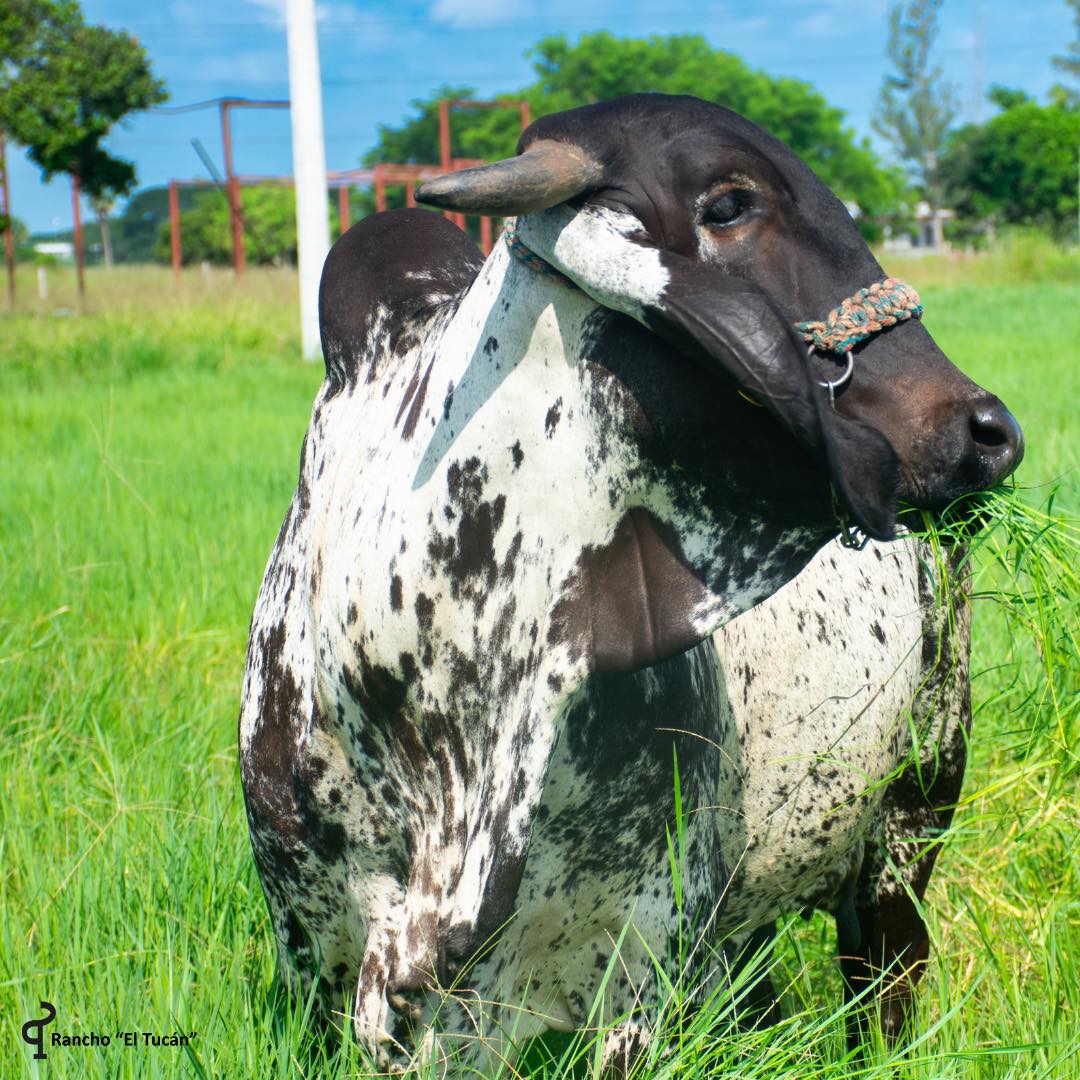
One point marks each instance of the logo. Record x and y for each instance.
(38, 1026)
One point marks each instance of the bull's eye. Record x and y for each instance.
(729, 208)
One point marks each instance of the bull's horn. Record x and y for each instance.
(546, 174)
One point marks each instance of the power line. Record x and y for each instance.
(365, 19)
(210, 103)
(816, 61)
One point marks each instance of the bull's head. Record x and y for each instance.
(717, 238)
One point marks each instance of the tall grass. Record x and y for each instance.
(1021, 257)
(149, 450)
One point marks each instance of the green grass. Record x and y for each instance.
(148, 452)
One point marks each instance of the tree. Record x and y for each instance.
(136, 230)
(1019, 167)
(63, 87)
(26, 26)
(67, 94)
(601, 66)
(20, 234)
(102, 206)
(1070, 63)
(915, 107)
(269, 214)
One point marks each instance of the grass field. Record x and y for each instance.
(148, 452)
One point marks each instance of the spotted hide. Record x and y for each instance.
(529, 495)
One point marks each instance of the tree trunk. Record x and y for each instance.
(80, 265)
(106, 239)
(9, 231)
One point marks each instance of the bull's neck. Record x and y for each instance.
(629, 569)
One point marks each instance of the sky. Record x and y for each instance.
(379, 55)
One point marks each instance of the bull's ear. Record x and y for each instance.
(730, 326)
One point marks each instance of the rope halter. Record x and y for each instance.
(868, 312)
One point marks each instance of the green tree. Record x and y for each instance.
(26, 28)
(1070, 62)
(135, 231)
(269, 214)
(915, 107)
(64, 87)
(1019, 167)
(601, 66)
(20, 235)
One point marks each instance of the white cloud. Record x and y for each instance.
(257, 67)
(335, 15)
(271, 11)
(476, 12)
(832, 18)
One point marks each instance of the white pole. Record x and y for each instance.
(309, 165)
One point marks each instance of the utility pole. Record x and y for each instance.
(309, 165)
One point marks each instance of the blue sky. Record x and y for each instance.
(378, 55)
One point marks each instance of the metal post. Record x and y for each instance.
(458, 219)
(444, 134)
(444, 143)
(309, 165)
(174, 227)
(485, 235)
(380, 190)
(410, 192)
(9, 233)
(232, 187)
(343, 209)
(80, 266)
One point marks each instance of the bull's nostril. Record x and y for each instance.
(987, 431)
(997, 436)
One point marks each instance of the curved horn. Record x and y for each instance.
(546, 174)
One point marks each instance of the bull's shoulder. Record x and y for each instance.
(385, 279)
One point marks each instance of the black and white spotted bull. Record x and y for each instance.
(531, 490)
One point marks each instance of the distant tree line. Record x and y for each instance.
(1018, 168)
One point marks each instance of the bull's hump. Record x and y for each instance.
(383, 282)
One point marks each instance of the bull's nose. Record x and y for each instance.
(997, 437)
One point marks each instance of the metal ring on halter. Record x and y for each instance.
(833, 386)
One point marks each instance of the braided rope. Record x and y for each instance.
(869, 311)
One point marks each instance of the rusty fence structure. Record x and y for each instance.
(378, 177)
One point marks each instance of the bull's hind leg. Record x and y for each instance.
(756, 1002)
(882, 935)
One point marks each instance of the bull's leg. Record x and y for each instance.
(882, 934)
(624, 1046)
(757, 1004)
(893, 947)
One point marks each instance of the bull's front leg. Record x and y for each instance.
(882, 934)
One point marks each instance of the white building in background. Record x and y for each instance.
(929, 236)
(64, 250)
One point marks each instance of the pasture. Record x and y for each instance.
(149, 450)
